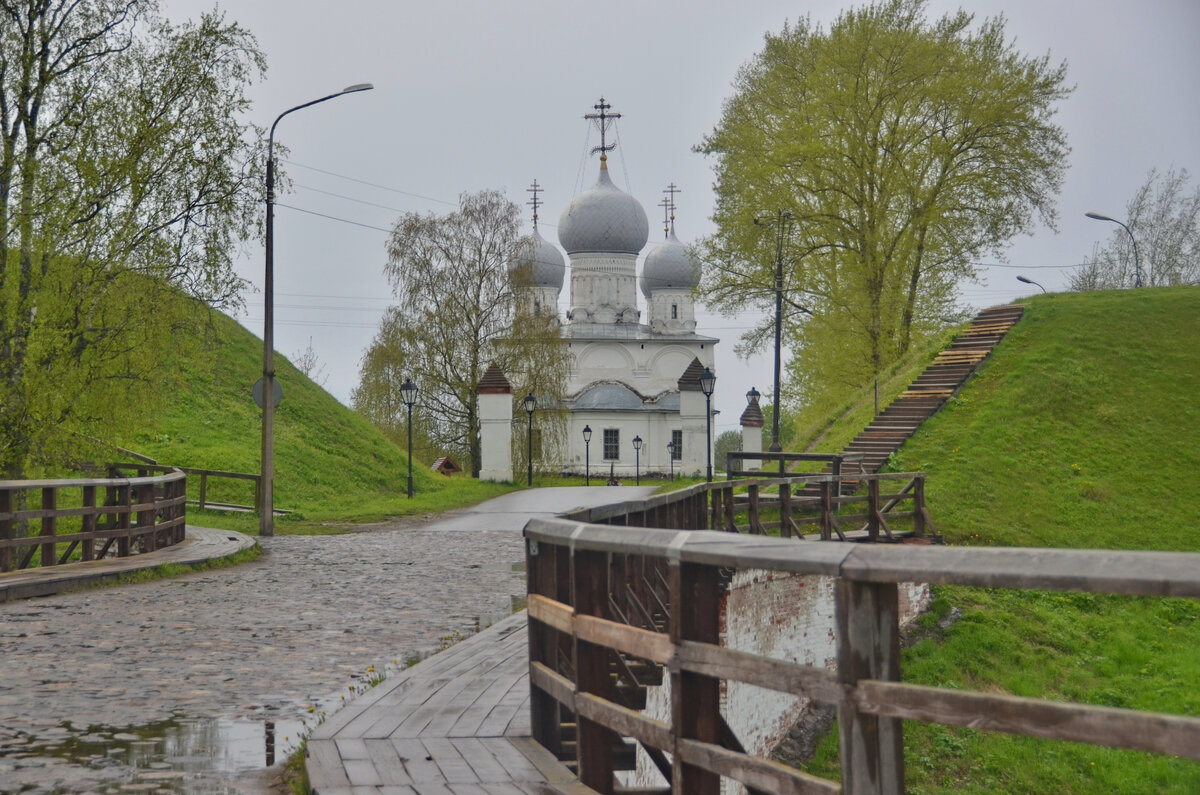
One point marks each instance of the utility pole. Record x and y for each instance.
(782, 221)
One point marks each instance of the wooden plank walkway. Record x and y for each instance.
(457, 723)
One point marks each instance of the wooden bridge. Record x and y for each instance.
(554, 701)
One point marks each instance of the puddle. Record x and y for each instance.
(192, 756)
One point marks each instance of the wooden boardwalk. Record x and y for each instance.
(457, 723)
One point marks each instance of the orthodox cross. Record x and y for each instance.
(603, 119)
(535, 202)
(671, 190)
(666, 205)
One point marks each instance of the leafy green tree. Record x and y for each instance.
(1165, 220)
(126, 179)
(904, 150)
(726, 442)
(454, 315)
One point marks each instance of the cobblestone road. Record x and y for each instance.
(176, 685)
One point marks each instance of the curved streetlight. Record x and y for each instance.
(1137, 268)
(530, 406)
(266, 526)
(671, 457)
(782, 223)
(1027, 280)
(587, 452)
(408, 393)
(637, 460)
(708, 382)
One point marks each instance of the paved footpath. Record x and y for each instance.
(190, 685)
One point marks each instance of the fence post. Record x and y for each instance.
(88, 547)
(204, 490)
(695, 699)
(873, 509)
(755, 525)
(539, 567)
(123, 519)
(589, 585)
(868, 637)
(6, 529)
(919, 505)
(785, 510)
(836, 471)
(827, 510)
(49, 525)
(145, 517)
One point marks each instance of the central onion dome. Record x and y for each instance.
(603, 219)
(546, 262)
(669, 267)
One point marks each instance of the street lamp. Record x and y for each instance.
(1137, 268)
(1027, 280)
(637, 460)
(671, 457)
(266, 526)
(587, 451)
(530, 405)
(781, 222)
(708, 382)
(408, 393)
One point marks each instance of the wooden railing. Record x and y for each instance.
(580, 649)
(838, 464)
(742, 505)
(202, 475)
(121, 516)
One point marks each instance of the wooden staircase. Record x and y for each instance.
(942, 379)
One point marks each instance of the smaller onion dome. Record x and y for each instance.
(547, 264)
(603, 219)
(669, 267)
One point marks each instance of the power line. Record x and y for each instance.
(371, 184)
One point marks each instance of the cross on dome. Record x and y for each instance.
(535, 202)
(603, 119)
(671, 190)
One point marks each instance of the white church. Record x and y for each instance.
(635, 378)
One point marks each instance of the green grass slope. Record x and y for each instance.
(331, 465)
(1081, 431)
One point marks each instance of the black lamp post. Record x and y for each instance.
(587, 451)
(708, 382)
(782, 223)
(671, 456)
(266, 521)
(530, 405)
(637, 460)
(1027, 280)
(408, 393)
(1137, 268)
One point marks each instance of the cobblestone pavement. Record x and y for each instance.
(180, 685)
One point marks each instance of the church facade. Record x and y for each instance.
(634, 380)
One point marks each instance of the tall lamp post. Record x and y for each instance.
(408, 393)
(671, 457)
(708, 382)
(587, 452)
(266, 525)
(1137, 268)
(1027, 280)
(637, 460)
(781, 222)
(530, 405)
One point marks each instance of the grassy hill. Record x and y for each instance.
(1081, 431)
(331, 464)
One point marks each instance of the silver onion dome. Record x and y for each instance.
(547, 264)
(603, 219)
(669, 267)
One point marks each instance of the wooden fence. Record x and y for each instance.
(583, 646)
(202, 475)
(837, 464)
(794, 503)
(137, 514)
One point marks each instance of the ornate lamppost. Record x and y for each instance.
(587, 451)
(266, 520)
(708, 382)
(637, 460)
(671, 457)
(408, 393)
(530, 405)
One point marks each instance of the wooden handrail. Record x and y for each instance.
(570, 563)
(138, 513)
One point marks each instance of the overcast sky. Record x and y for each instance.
(489, 94)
